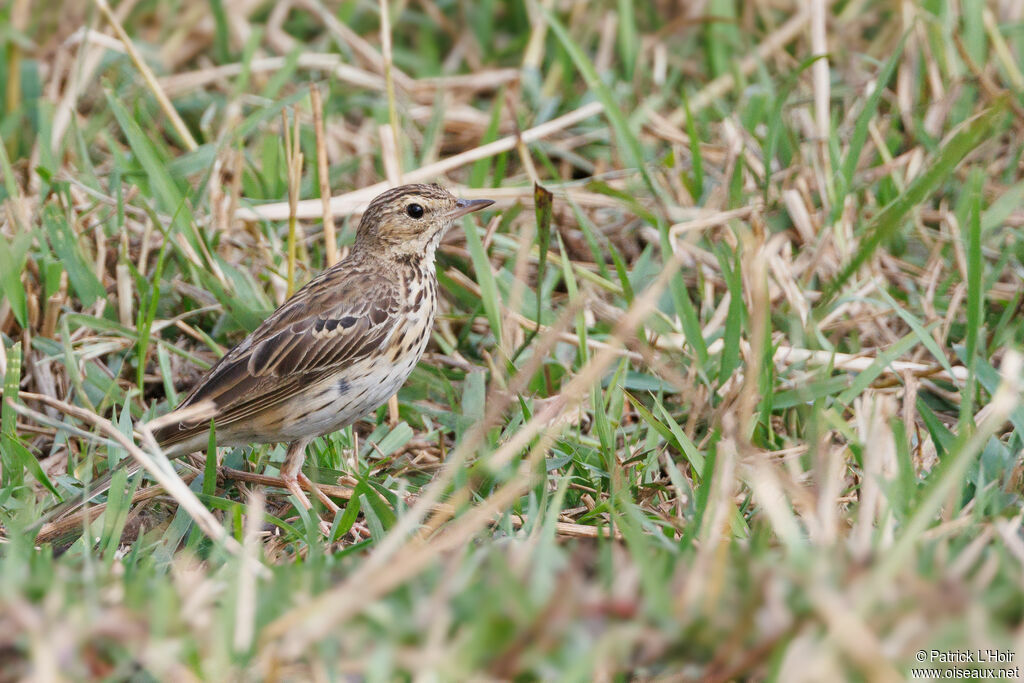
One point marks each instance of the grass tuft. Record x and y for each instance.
(725, 386)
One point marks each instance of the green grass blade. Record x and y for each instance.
(13, 255)
(542, 199)
(864, 119)
(888, 221)
(629, 142)
(169, 196)
(484, 277)
(67, 246)
(922, 332)
(13, 474)
(884, 360)
(730, 358)
(975, 294)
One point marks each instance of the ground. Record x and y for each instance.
(724, 386)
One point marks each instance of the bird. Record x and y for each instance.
(341, 346)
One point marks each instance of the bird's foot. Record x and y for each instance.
(324, 498)
(293, 485)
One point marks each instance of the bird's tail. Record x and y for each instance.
(91, 491)
(161, 427)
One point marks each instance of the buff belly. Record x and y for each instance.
(336, 404)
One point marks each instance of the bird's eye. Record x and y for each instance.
(414, 211)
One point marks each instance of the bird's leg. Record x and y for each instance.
(292, 469)
(291, 474)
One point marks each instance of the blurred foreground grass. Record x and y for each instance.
(744, 404)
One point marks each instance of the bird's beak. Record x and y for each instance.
(464, 206)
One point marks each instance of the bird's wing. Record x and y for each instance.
(333, 322)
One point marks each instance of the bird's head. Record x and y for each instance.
(410, 220)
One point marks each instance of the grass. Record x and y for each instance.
(726, 385)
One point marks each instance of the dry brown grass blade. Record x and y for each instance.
(149, 77)
(394, 158)
(183, 83)
(293, 161)
(330, 238)
(202, 410)
(787, 356)
(245, 606)
(357, 200)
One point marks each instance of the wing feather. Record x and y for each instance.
(312, 336)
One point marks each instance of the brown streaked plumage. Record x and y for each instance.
(338, 348)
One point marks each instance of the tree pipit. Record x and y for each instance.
(337, 349)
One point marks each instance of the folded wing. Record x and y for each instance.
(325, 327)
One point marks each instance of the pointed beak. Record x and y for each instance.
(464, 206)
